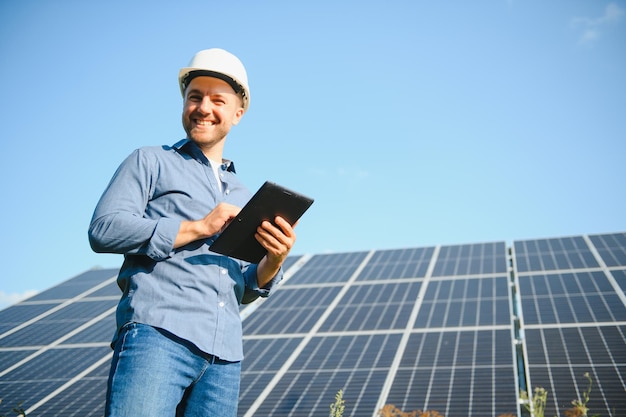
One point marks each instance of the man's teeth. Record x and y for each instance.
(204, 122)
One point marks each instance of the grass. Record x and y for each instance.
(337, 409)
(537, 405)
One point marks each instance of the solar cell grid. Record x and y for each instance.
(266, 355)
(355, 364)
(328, 268)
(252, 386)
(83, 399)
(373, 307)
(59, 364)
(611, 247)
(290, 261)
(26, 392)
(564, 383)
(111, 291)
(21, 313)
(457, 373)
(75, 286)
(398, 263)
(607, 308)
(9, 358)
(37, 334)
(47, 372)
(348, 352)
(569, 320)
(579, 297)
(100, 332)
(473, 259)
(465, 302)
(50, 328)
(290, 311)
(553, 254)
(576, 252)
(81, 311)
(620, 277)
(306, 394)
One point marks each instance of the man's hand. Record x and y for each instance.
(278, 241)
(212, 223)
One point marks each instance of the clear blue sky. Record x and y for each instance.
(412, 123)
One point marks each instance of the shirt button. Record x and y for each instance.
(221, 304)
(224, 271)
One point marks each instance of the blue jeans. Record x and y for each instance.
(154, 373)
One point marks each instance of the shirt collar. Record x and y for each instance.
(189, 147)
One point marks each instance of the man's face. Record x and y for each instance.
(211, 107)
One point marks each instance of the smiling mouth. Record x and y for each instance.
(201, 122)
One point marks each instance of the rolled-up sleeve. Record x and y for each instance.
(252, 290)
(118, 224)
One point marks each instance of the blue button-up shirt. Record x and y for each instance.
(189, 291)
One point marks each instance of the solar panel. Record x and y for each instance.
(41, 350)
(574, 319)
(458, 328)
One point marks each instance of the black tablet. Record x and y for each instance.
(271, 200)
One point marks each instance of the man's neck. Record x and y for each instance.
(213, 152)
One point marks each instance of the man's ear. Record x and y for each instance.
(238, 115)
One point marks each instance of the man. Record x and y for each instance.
(178, 346)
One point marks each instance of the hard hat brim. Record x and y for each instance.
(187, 74)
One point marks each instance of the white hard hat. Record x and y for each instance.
(220, 64)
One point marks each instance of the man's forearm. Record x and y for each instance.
(266, 271)
(190, 231)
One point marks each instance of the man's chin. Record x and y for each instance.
(204, 141)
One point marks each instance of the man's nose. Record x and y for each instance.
(205, 105)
